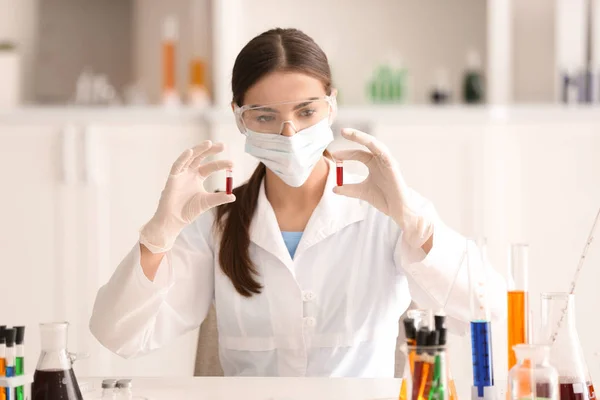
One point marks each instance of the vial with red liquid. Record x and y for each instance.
(339, 170)
(229, 182)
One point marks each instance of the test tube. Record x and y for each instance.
(339, 168)
(10, 335)
(2, 360)
(169, 42)
(517, 299)
(20, 359)
(411, 340)
(229, 181)
(421, 369)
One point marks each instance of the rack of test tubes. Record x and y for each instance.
(15, 387)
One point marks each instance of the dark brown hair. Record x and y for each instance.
(274, 50)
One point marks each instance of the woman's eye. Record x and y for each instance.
(265, 118)
(307, 113)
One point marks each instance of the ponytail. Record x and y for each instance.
(233, 221)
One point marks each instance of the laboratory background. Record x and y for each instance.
(492, 109)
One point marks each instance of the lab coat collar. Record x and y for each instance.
(332, 214)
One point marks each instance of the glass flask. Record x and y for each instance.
(532, 377)
(566, 355)
(54, 377)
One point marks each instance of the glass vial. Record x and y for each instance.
(532, 377)
(229, 181)
(108, 389)
(124, 391)
(339, 170)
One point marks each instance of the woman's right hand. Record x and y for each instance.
(184, 198)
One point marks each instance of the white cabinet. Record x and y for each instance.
(73, 200)
(31, 228)
(129, 165)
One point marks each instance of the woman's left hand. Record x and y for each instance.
(385, 188)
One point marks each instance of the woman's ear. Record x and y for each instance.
(334, 106)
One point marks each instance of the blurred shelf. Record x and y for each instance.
(375, 114)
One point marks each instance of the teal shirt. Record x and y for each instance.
(291, 240)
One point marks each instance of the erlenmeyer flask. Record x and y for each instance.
(54, 378)
(566, 354)
(532, 377)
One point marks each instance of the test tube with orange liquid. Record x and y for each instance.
(169, 44)
(517, 299)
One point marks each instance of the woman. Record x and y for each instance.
(308, 279)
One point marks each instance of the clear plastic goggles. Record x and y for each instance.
(271, 118)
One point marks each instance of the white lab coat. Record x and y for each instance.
(331, 311)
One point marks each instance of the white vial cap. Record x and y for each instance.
(124, 383)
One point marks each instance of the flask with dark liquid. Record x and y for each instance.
(566, 353)
(54, 378)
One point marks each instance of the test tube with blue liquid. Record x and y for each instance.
(481, 330)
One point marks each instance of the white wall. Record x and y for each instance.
(18, 22)
(357, 36)
(534, 76)
(194, 39)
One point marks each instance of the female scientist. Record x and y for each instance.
(308, 279)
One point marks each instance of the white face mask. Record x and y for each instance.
(292, 158)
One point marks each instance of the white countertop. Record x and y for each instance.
(214, 388)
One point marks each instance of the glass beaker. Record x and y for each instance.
(426, 378)
(54, 377)
(532, 377)
(426, 361)
(566, 355)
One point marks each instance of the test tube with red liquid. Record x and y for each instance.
(229, 181)
(339, 169)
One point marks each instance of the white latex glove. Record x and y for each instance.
(384, 188)
(184, 198)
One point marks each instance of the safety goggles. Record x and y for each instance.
(271, 118)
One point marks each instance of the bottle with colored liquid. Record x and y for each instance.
(532, 377)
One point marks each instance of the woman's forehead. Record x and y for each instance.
(280, 87)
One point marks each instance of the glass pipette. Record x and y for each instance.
(576, 276)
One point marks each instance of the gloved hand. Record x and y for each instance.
(184, 198)
(385, 188)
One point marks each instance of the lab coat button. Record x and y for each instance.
(308, 295)
(310, 321)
